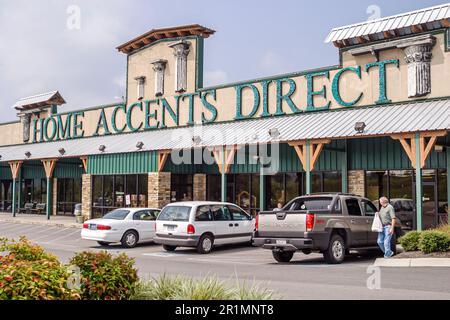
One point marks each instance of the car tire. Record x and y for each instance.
(205, 244)
(103, 244)
(130, 239)
(282, 256)
(335, 253)
(169, 248)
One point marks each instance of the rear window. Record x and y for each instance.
(315, 203)
(175, 213)
(118, 214)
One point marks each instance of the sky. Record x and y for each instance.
(70, 46)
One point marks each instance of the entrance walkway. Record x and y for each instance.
(59, 221)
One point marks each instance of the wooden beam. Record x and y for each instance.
(408, 142)
(416, 28)
(218, 154)
(49, 166)
(316, 147)
(15, 168)
(446, 23)
(84, 161)
(162, 158)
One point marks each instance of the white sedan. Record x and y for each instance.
(126, 225)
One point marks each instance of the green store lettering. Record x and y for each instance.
(161, 113)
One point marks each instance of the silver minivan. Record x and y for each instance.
(203, 224)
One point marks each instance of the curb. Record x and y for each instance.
(48, 224)
(413, 262)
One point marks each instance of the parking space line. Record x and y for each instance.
(65, 236)
(12, 226)
(52, 234)
(20, 229)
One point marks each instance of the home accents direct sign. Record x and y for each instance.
(251, 100)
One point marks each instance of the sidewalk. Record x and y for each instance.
(58, 221)
(413, 262)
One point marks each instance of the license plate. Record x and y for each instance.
(92, 227)
(170, 228)
(281, 242)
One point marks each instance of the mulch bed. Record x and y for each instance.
(419, 254)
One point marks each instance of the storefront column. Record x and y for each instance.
(199, 187)
(86, 196)
(307, 168)
(418, 181)
(15, 173)
(158, 189)
(344, 169)
(223, 187)
(262, 188)
(357, 182)
(55, 196)
(447, 149)
(49, 167)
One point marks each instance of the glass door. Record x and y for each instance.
(429, 208)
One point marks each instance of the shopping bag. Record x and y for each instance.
(377, 226)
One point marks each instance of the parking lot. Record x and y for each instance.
(306, 277)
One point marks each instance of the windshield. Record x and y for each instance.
(118, 214)
(175, 213)
(313, 203)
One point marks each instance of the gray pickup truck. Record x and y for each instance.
(331, 223)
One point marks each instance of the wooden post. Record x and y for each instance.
(162, 158)
(15, 172)
(49, 167)
(308, 152)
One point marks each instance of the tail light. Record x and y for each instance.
(85, 226)
(102, 227)
(190, 229)
(256, 222)
(309, 221)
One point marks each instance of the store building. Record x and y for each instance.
(376, 124)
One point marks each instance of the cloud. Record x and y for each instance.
(215, 77)
(273, 63)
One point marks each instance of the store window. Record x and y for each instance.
(181, 187)
(5, 195)
(376, 185)
(34, 191)
(69, 194)
(213, 185)
(442, 197)
(120, 191)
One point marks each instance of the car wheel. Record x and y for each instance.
(336, 250)
(282, 256)
(205, 244)
(103, 244)
(130, 239)
(169, 248)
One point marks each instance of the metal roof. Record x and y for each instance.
(334, 124)
(402, 24)
(164, 33)
(43, 99)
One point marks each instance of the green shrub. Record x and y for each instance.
(210, 288)
(444, 228)
(104, 277)
(29, 273)
(410, 241)
(434, 241)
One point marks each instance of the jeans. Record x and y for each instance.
(384, 241)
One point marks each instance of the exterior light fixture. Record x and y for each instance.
(62, 151)
(140, 145)
(196, 139)
(0, 156)
(274, 133)
(102, 148)
(28, 154)
(360, 126)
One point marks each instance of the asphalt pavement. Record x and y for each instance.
(305, 277)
